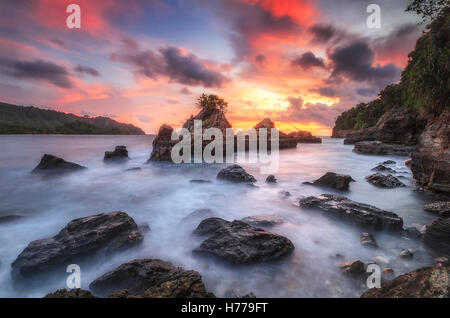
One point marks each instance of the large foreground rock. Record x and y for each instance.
(427, 282)
(72, 293)
(235, 173)
(119, 154)
(240, 243)
(354, 212)
(441, 208)
(384, 181)
(163, 144)
(379, 148)
(150, 278)
(334, 180)
(53, 164)
(437, 236)
(81, 237)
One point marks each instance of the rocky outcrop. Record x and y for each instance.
(150, 278)
(163, 144)
(72, 293)
(120, 153)
(240, 243)
(384, 181)
(437, 236)
(304, 137)
(53, 164)
(441, 208)
(340, 133)
(263, 220)
(427, 282)
(333, 180)
(271, 179)
(81, 237)
(431, 159)
(285, 141)
(353, 212)
(379, 148)
(355, 136)
(367, 239)
(235, 173)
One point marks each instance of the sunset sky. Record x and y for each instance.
(299, 62)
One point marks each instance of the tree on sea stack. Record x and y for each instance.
(211, 104)
(428, 9)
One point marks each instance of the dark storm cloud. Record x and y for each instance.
(326, 91)
(172, 63)
(327, 34)
(87, 70)
(185, 91)
(37, 70)
(308, 60)
(354, 62)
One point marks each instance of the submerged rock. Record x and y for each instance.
(9, 218)
(334, 180)
(368, 240)
(81, 237)
(198, 214)
(199, 181)
(235, 173)
(353, 268)
(427, 282)
(407, 254)
(354, 212)
(441, 208)
(240, 243)
(388, 162)
(72, 293)
(382, 168)
(379, 148)
(271, 179)
(413, 232)
(263, 220)
(53, 164)
(437, 236)
(119, 154)
(385, 181)
(150, 278)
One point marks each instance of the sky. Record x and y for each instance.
(145, 62)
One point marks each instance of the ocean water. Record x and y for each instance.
(161, 195)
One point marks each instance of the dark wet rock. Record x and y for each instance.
(441, 208)
(382, 168)
(81, 237)
(144, 228)
(384, 181)
(354, 212)
(413, 232)
(263, 220)
(53, 164)
(150, 278)
(285, 194)
(406, 254)
(200, 181)
(337, 256)
(163, 144)
(119, 154)
(367, 240)
(379, 148)
(437, 236)
(431, 158)
(271, 179)
(72, 293)
(388, 272)
(9, 218)
(235, 173)
(240, 243)
(199, 214)
(427, 282)
(388, 162)
(334, 180)
(134, 169)
(353, 268)
(443, 261)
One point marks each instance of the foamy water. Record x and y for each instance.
(161, 195)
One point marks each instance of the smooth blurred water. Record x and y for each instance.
(161, 195)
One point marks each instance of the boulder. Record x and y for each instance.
(53, 164)
(413, 232)
(384, 181)
(119, 154)
(334, 180)
(163, 144)
(240, 243)
(388, 162)
(382, 168)
(353, 268)
(263, 220)
(431, 158)
(367, 240)
(199, 214)
(150, 278)
(406, 254)
(271, 179)
(441, 208)
(72, 293)
(235, 173)
(81, 237)
(353, 212)
(379, 148)
(437, 236)
(427, 282)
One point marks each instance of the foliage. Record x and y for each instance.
(212, 103)
(428, 9)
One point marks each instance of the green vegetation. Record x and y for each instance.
(31, 120)
(211, 103)
(424, 85)
(428, 9)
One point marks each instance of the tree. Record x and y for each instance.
(428, 9)
(212, 103)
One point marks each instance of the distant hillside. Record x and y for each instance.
(31, 120)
